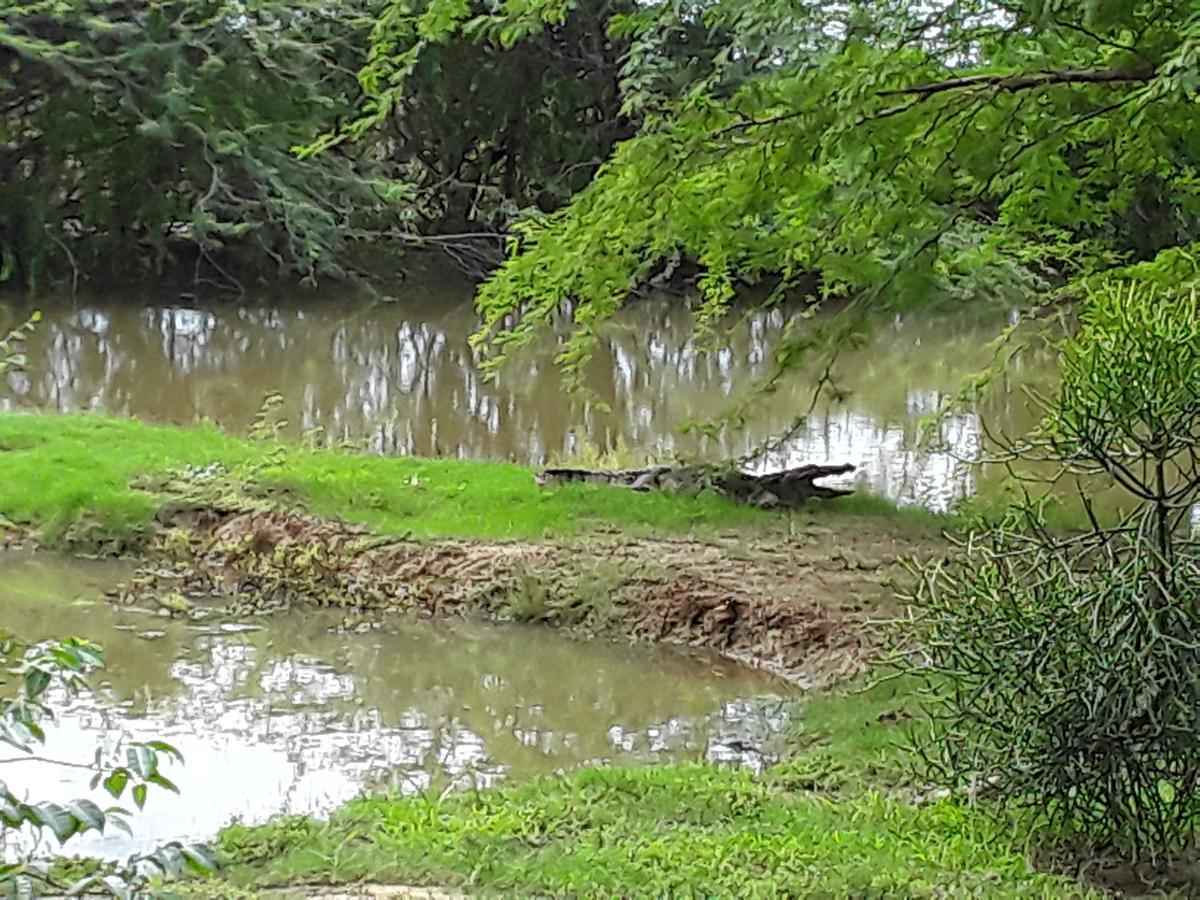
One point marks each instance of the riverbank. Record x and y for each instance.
(80, 479)
(238, 528)
(837, 820)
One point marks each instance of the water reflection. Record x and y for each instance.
(300, 718)
(400, 377)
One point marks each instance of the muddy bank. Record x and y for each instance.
(800, 604)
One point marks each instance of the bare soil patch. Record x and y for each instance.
(803, 603)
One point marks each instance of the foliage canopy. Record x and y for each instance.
(485, 127)
(871, 151)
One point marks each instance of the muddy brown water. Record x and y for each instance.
(302, 715)
(400, 377)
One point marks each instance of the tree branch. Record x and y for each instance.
(1028, 81)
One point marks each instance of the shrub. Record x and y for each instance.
(1064, 669)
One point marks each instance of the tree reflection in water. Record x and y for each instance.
(299, 717)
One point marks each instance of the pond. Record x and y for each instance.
(308, 712)
(399, 376)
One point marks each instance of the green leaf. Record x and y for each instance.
(88, 813)
(168, 749)
(169, 859)
(57, 819)
(141, 759)
(36, 682)
(199, 858)
(163, 782)
(115, 783)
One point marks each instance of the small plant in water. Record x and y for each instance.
(589, 455)
(31, 679)
(11, 356)
(1064, 669)
(268, 423)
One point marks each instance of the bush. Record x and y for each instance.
(1064, 670)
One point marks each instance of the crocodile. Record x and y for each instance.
(789, 487)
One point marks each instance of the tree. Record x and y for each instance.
(492, 119)
(137, 137)
(884, 151)
(141, 137)
(485, 128)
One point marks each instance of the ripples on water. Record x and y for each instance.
(301, 717)
(400, 377)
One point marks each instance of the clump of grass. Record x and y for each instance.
(854, 736)
(682, 830)
(875, 506)
(583, 599)
(589, 455)
(69, 476)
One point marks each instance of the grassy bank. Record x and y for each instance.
(836, 821)
(71, 475)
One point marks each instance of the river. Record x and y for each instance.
(399, 377)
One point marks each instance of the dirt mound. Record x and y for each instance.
(799, 605)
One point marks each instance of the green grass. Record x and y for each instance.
(816, 826)
(65, 473)
(58, 471)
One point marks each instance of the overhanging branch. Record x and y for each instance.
(1027, 81)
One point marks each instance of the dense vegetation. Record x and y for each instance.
(154, 138)
(873, 150)
(1063, 667)
(138, 137)
(863, 154)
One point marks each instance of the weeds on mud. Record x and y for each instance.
(584, 599)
